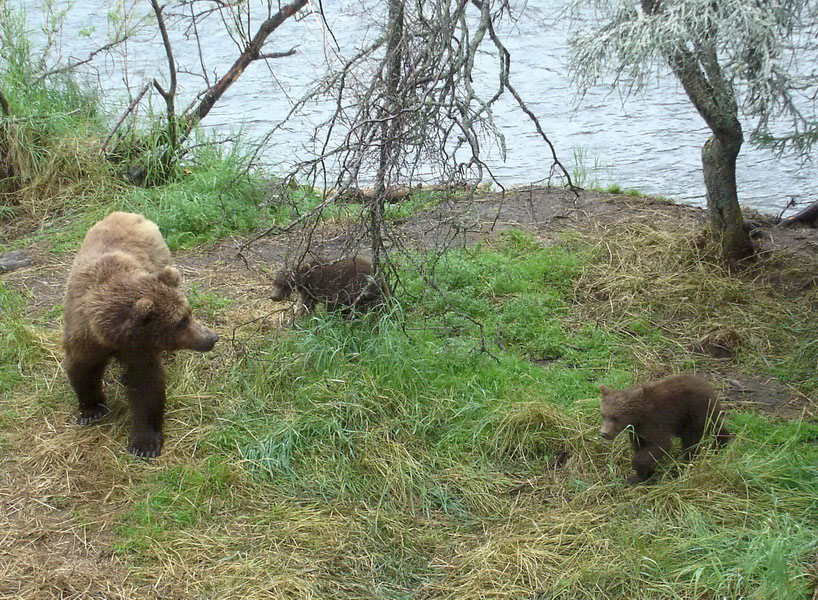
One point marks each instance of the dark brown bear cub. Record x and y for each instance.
(680, 406)
(343, 285)
(122, 301)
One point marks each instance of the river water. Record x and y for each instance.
(651, 142)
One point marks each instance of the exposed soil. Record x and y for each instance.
(57, 558)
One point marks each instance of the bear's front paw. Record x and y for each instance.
(635, 478)
(91, 415)
(146, 444)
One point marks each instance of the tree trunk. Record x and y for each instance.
(719, 156)
(697, 68)
(389, 127)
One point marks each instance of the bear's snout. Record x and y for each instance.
(607, 434)
(208, 340)
(198, 338)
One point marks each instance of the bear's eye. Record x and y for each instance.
(183, 323)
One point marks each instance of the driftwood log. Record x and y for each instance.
(397, 193)
(807, 216)
(16, 259)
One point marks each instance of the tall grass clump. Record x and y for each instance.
(666, 290)
(20, 344)
(585, 168)
(48, 138)
(213, 194)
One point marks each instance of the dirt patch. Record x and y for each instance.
(767, 395)
(544, 212)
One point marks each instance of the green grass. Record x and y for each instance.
(428, 445)
(48, 139)
(412, 454)
(177, 498)
(19, 343)
(206, 304)
(219, 196)
(417, 202)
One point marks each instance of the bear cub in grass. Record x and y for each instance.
(123, 301)
(683, 406)
(343, 285)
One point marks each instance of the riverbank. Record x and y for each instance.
(447, 449)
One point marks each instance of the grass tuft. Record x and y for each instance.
(662, 288)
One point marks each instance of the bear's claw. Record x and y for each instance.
(143, 453)
(146, 446)
(89, 416)
(635, 479)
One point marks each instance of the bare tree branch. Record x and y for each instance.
(251, 52)
(170, 94)
(121, 119)
(85, 61)
(273, 55)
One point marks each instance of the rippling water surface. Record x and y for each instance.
(651, 142)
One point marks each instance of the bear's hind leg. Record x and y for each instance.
(690, 444)
(146, 396)
(86, 380)
(645, 459)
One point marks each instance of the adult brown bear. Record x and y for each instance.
(123, 301)
(679, 406)
(343, 285)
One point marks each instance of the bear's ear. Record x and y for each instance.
(169, 276)
(604, 390)
(143, 309)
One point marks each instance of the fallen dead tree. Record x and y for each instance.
(807, 216)
(395, 194)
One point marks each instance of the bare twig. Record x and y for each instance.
(85, 61)
(121, 119)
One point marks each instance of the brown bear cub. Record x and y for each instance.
(343, 285)
(682, 406)
(123, 301)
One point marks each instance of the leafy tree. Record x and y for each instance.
(729, 56)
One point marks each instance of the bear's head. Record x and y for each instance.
(283, 285)
(148, 312)
(618, 409)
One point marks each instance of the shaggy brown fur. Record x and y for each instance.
(123, 300)
(680, 406)
(344, 285)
